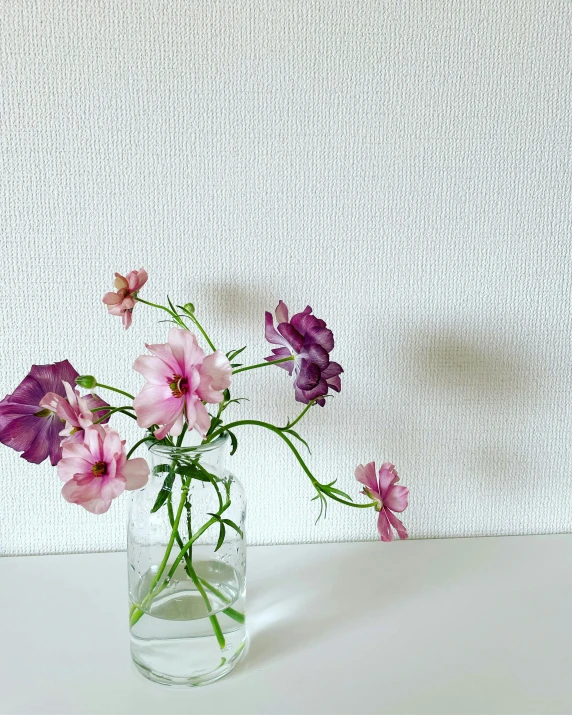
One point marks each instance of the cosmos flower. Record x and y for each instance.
(389, 497)
(96, 471)
(307, 339)
(179, 378)
(123, 301)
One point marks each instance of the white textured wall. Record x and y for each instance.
(403, 167)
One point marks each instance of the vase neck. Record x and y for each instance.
(212, 452)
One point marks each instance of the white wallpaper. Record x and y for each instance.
(405, 168)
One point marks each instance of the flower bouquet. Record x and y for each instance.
(186, 543)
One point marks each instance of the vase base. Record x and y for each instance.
(225, 667)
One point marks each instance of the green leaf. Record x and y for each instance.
(160, 468)
(238, 530)
(234, 442)
(164, 493)
(295, 434)
(340, 493)
(235, 353)
(191, 471)
(221, 536)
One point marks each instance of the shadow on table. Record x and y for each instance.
(294, 607)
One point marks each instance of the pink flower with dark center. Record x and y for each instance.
(309, 341)
(123, 301)
(179, 379)
(75, 411)
(96, 471)
(389, 497)
(28, 426)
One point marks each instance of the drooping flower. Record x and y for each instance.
(123, 301)
(97, 470)
(389, 497)
(28, 427)
(179, 378)
(75, 411)
(309, 341)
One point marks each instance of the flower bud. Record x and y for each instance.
(86, 381)
(189, 308)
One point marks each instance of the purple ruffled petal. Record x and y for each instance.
(281, 312)
(292, 336)
(334, 382)
(315, 353)
(333, 369)
(50, 377)
(322, 336)
(270, 332)
(309, 375)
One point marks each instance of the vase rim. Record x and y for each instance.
(220, 441)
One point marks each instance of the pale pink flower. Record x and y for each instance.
(123, 302)
(389, 497)
(179, 379)
(96, 471)
(75, 411)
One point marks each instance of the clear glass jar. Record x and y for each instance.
(187, 566)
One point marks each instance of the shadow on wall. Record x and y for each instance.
(445, 364)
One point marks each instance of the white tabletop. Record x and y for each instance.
(449, 626)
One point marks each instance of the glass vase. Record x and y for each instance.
(187, 566)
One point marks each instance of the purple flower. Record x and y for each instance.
(308, 340)
(28, 427)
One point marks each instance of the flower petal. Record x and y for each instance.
(387, 477)
(68, 467)
(293, 337)
(396, 498)
(397, 525)
(270, 332)
(322, 336)
(309, 375)
(216, 375)
(384, 527)
(153, 369)
(366, 476)
(112, 488)
(156, 404)
(333, 369)
(281, 312)
(136, 473)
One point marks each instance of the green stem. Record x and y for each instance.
(145, 439)
(156, 305)
(191, 541)
(262, 364)
(116, 409)
(291, 424)
(230, 612)
(114, 389)
(317, 485)
(203, 331)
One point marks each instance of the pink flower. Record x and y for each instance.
(123, 302)
(75, 411)
(97, 470)
(179, 378)
(388, 497)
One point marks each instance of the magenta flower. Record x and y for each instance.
(310, 342)
(123, 302)
(179, 378)
(30, 427)
(389, 497)
(96, 471)
(75, 411)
